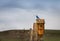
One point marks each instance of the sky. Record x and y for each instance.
(20, 14)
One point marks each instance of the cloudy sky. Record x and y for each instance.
(20, 14)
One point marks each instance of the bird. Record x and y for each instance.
(37, 17)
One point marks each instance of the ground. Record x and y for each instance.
(45, 39)
(49, 36)
(56, 38)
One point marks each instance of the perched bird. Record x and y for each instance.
(37, 17)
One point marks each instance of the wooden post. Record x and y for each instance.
(31, 35)
(38, 30)
(35, 37)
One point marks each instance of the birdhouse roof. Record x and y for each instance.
(40, 21)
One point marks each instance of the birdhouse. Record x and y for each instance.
(40, 26)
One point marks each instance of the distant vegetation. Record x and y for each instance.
(52, 31)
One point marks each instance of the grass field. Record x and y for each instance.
(45, 39)
(49, 36)
(52, 35)
(52, 38)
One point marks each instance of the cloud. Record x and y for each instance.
(16, 18)
(29, 4)
(19, 14)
